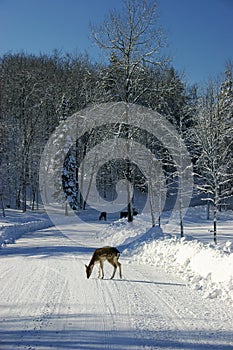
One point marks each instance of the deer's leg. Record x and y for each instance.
(113, 263)
(101, 267)
(119, 265)
(99, 271)
(114, 271)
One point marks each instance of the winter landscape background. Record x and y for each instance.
(128, 137)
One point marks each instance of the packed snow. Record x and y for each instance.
(175, 293)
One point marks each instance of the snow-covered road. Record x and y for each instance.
(46, 302)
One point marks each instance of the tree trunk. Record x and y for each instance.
(215, 222)
(208, 211)
(152, 207)
(66, 209)
(18, 195)
(88, 191)
(2, 204)
(160, 204)
(33, 199)
(24, 197)
(181, 220)
(129, 205)
(159, 220)
(128, 167)
(37, 198)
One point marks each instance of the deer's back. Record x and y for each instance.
(105, 253)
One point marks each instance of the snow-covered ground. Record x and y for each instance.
(175, 293)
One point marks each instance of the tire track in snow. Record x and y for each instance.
(184, 311)
(47, 302)
(118, 308)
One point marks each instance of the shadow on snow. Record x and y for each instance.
(78, 338)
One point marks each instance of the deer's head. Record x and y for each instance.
(89, 270)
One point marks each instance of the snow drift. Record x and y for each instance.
(14, 226)
(204, 267)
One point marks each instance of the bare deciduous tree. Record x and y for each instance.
(134, 41)
(211, 133)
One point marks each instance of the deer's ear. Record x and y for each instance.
(86, 266)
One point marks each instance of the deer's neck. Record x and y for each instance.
(92, 262)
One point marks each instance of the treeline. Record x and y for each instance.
(38, 92)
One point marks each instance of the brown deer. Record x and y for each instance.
(110, 254)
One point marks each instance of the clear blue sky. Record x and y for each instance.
(200, 32)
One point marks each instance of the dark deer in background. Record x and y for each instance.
(110, 254)
(124, 214)
(103, 216)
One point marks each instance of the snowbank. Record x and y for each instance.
(203, 266)
(121, 232)
(16, 224)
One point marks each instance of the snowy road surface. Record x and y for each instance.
(46, 302)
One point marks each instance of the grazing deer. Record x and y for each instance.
(124, 214)
(110, 254)
(103, 215)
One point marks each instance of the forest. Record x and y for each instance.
(39, 92)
